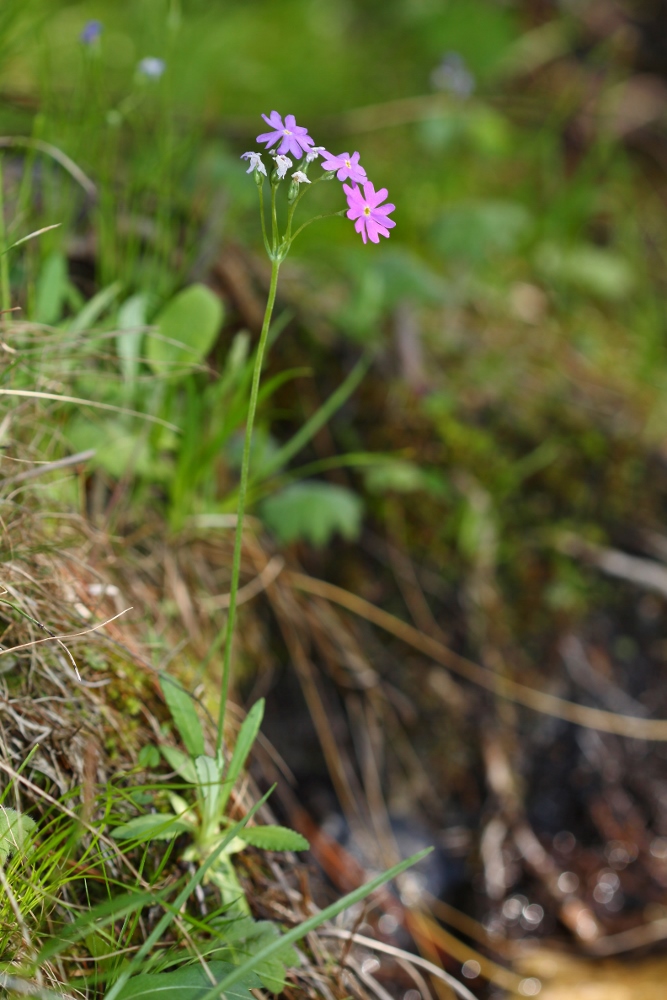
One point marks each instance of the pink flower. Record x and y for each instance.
(348, 167)
(371, 215)
(293, 138)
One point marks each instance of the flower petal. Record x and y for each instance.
(270, 138)
(290, 122)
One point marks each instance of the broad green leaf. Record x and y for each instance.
(187, 329)
(131, 319)
(181, 763)
(51, 289)
(313, 511)
(184, 714)
(153, 826)
(189, 983)
(15, 829)
(244, 744)
(274, 838)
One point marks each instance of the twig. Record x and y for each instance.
(61, 463)
(400, 953)
(504, 687)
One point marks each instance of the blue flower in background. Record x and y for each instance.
(152, 67)
(453, 76)
(91, 32)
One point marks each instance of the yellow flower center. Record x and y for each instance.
(286, 131)
(367, 210)
(347, 163)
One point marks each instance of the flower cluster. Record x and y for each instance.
(366, 206)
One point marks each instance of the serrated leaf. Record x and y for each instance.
(153, 826)
(189, 983)
(244, 744)
(15, 829)
(274, 838)
(181, 763)
(184, 714)
(313, 511)
(187, 328)
(244, 936)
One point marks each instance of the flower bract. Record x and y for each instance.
(372, 217)
(348, 167)
(256, 162)
(293, 138)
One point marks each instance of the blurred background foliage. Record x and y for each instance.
(511, 426)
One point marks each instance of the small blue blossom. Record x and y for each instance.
(91, 32)
(152, 67)
(453, 76)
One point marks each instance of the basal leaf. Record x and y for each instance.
(274, 838)
(153, 826)
(184, 714)
(244, 744)
(187, 328)
(181, 763)
(189, 983)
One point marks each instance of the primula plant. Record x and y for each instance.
(285, 143)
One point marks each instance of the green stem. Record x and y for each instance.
(274, 222)
(5, 299)
(260, 189)
(240, 510)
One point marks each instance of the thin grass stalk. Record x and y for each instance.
(4, 263)
(240, 511)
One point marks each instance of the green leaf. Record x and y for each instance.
(149, 756)
(208, 783)
(181, 763)
(313, 511)
(189, 983)
(15, 829)
(153, 826)
(244, 744)
(395, 476)
(131, 319)
(94, 308)
(244, 936)
(51, 289)
(274, 838)
(187, 329)
(184, 714)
